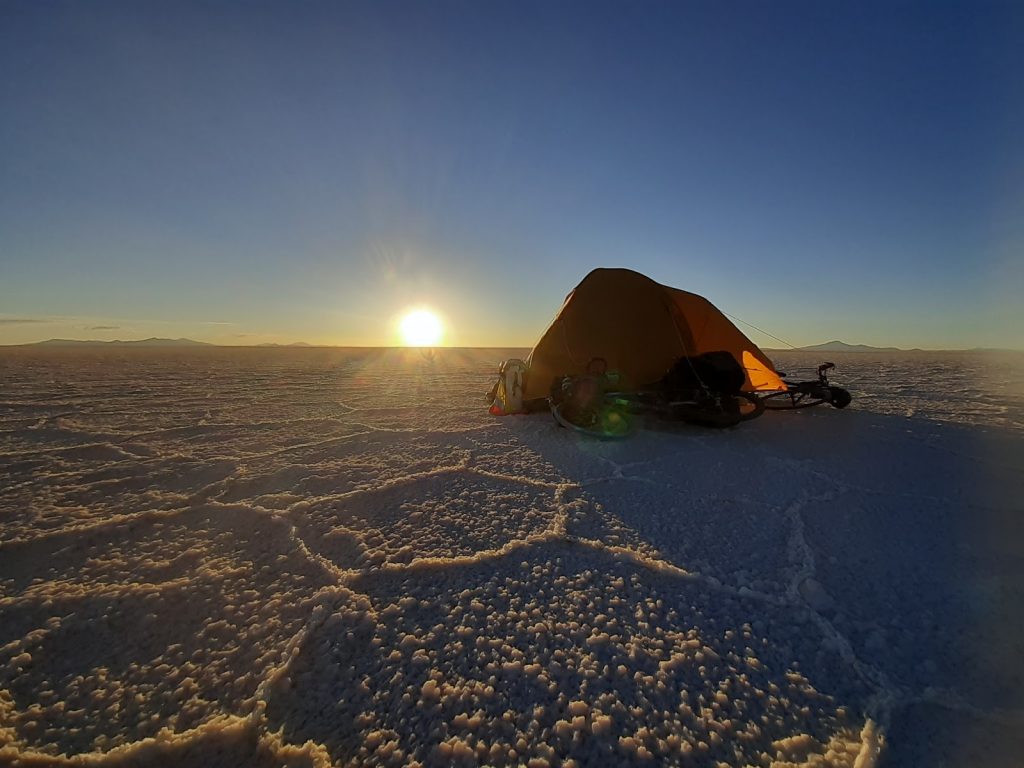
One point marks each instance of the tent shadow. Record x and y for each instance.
(913, 526)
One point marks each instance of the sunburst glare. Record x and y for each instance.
(420, 328)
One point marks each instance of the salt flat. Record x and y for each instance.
(313, 557)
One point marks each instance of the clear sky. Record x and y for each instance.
(248, 172)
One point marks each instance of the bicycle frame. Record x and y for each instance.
(803, 394)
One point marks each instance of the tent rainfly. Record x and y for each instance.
(640, 328)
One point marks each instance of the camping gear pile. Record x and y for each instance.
(623, 347)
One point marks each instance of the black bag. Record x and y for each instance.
(714, 371)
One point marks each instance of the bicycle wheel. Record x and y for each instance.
(840, 397)
(791, 400)
(750, 405)
(608, 424)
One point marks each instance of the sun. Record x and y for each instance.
(420, 328)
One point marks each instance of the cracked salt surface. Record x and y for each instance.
(336, 557)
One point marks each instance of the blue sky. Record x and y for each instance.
(307, 171)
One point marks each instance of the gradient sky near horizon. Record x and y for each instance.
(252, 172)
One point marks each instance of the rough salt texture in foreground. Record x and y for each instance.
(330, 557)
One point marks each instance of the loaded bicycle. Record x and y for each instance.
(703, 390)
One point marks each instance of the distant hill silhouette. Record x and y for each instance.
(842, 346)
(151, 342)
(275, 344)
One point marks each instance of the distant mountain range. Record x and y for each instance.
(152, 342)
(842, 346)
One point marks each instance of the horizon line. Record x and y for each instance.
(194, 343)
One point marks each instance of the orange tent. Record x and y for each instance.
(640, 328)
